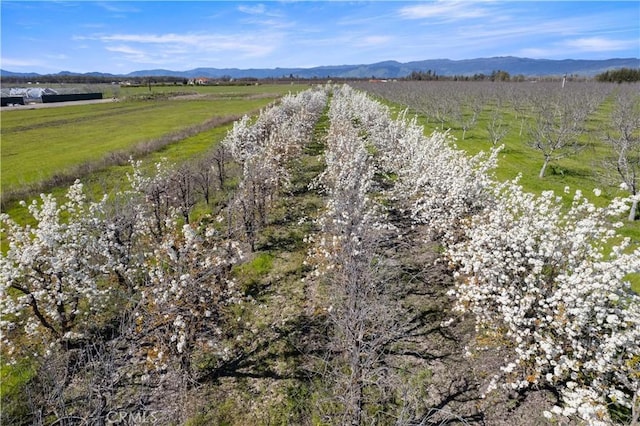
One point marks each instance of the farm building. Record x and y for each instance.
(31, 94)
(23, 96)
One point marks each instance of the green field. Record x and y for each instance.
(580, 172)
(38, 144)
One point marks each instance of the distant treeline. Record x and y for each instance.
(496, 75)
(620, 76)
(614, 76)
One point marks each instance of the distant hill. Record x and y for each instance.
(392, 69)
(4, 73)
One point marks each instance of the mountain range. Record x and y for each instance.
(392, 69)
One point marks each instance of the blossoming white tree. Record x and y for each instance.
(437, 184)
(344, 254)
(264, 150)
(53, 275)
(551, 280)
(188, 287)
(546, 277)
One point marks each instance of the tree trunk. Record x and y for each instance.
(220, 164)
(544, 168)
(356, 394)
(634, 209)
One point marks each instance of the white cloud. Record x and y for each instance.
(128, 50)
(536, 52)
(154, 38)
(449, 10)
(118, 7)
(167, 48)
(137, 55)
(92, 26)
(373, 41)
(260, 16)
(12, 62)
(568, 48)
(56, 57)
(600, 44)
(258, 9)
(275, 24)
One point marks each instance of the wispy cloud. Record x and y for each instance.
(186, 39)
(260, 16)
(56, 57)
(373, 41)
(118, 7)
(584, 45)
(257, 9)
(135, 55)
(447, 10)
(600, 44)
(536, 52)
(92, 25)
(265, 33)
(163, 48)
(21, 62)
(127, 50)
(274, 24)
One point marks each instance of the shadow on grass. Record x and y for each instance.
(288, 343)
(564, 171)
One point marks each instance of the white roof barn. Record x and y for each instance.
(34, 93)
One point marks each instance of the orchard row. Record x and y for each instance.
(551, 280)
(547, 282)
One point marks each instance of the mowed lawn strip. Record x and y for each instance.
(13, 121)
(38, 154)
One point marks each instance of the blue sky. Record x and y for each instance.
(120, 37)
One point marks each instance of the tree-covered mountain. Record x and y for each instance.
(393, 69)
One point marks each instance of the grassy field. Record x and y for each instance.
(40, 143)
(582, 171)
(230, 90)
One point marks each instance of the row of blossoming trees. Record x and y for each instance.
(548, 281)
(553, 120)
(128, 290)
